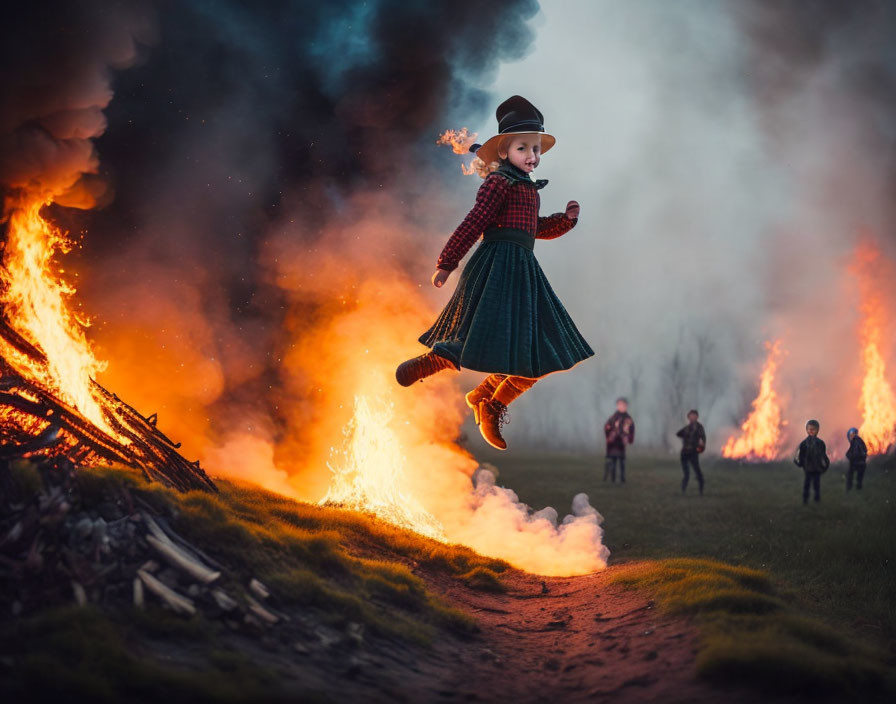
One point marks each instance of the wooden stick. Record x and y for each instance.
(259, 589)
(179, 603)
(138, 593)
(178, 558)
(261, 612)
(225, 603)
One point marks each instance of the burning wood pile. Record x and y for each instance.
(34, 420)
(66, 541)
(50, 402)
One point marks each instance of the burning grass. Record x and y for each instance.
(752, 634)
(760, 433)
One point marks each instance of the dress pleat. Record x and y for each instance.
(504, 317)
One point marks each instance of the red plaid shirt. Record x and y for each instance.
(500, 203)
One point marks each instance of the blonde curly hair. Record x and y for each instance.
(481, 169)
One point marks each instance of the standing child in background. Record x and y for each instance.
(504, 318)
(619, 431)
(857, 454)
(693, 443)
(812, 456)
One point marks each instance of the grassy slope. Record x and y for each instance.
(308, 556)
(345, 567)
(837, 559)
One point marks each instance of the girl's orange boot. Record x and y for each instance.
(493, 412)
(483, 392)
(419, 368)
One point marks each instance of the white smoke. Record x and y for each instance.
(500, 525)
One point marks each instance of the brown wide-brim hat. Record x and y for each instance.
(516, 116)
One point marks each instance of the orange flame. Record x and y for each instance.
(760, 437)
(460, 142)
(877, 402)
(396, 454)
(369, 476)
(35, 303)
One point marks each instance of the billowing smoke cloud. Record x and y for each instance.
(249, 129)
(56, 60)
(278, 197)
(727, 157)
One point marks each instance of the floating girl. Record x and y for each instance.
(503, 319)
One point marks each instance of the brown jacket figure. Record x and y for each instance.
(619, 431)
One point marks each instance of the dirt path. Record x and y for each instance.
(579, 639)
(567, 639)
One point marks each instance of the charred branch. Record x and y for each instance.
(34, 420)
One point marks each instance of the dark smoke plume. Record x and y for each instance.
(241, 121)
(56, 60)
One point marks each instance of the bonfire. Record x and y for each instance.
(50, 402)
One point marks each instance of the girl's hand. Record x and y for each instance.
(572, 210)
(440, 277)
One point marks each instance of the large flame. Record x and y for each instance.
(369, 472)
(760, 436)
(35, 303)
(877, 402)
(397, 454)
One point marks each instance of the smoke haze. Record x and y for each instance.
(728, 157)
(271, 161)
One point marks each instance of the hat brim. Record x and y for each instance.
(488, 152)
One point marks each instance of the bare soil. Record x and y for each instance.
(545, 639)
(571, 640)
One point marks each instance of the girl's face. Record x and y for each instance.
(523, 151)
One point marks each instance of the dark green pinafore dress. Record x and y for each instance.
(504, 317)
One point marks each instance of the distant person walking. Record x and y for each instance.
(857, 454)
(812, 456)
(619, 431)
(693, 443)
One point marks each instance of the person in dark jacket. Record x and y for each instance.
(857, 454)
(693, 442)
(619, 431)
(812, 456)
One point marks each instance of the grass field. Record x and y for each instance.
(836, 559)
(782, 592)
